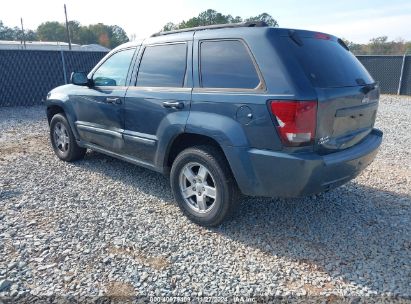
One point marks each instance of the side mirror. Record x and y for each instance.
(79, 78)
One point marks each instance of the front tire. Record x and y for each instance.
(203, 185)
(63, 141)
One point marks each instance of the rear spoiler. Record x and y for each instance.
(296, 36)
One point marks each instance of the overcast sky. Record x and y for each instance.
(354, 20)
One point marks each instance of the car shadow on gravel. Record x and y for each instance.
(8, 194)
(139, 178)
(355, 233)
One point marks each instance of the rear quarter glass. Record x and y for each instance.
(326, 62)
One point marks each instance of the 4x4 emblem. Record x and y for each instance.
(323, 140)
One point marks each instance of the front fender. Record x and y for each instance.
(61, 100)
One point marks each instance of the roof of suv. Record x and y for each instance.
(171, 35)
(214, 27)
(177, 33)
(221, 29)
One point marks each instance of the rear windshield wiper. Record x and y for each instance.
(294, 36)
(368, 88)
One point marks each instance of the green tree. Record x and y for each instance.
(170, 26)
(408, 47)
(379, 45)
(193, 22)
(354, 47)
(75, 29)
(8, 33)
(101, 34)
(51, 31)
(266, 18)
(86, 36)
(211, 17)
(30, 35)
(107, 35)
(236, 19)
(118, 36)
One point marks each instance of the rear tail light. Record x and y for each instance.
(296, 121)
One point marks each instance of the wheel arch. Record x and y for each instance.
(237, 158)
(187, 140)
(53, 110)
(54, 107)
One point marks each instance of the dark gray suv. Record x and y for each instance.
(223, 110)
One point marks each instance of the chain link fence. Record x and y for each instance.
(385, 69)
(26, 76)
(405, 88)
(392, 72)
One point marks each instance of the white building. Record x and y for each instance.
(50, 46)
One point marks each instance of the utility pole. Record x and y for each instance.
(404, 58)
(23, 38)
(67, 28)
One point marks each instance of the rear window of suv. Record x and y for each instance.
(328, 64)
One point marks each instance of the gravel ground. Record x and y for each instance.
(103, 227)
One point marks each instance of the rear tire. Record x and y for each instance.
(63, 141)
(203, 185)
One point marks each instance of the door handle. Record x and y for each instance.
(114, 100)
(173, 104)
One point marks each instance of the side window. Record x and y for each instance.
(163, 66)
(113, 72)
(227, 64)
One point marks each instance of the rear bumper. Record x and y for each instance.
(278, 174)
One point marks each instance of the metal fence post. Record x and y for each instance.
(64, 66)
(401, 74)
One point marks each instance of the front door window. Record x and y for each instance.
(113, 72)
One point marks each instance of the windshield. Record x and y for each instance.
(328, 64)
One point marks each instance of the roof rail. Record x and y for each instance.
(214, 27)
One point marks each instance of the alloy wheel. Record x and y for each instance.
(198, 187)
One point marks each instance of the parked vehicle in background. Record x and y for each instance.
(225, 110)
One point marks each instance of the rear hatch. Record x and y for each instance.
(346, 93)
